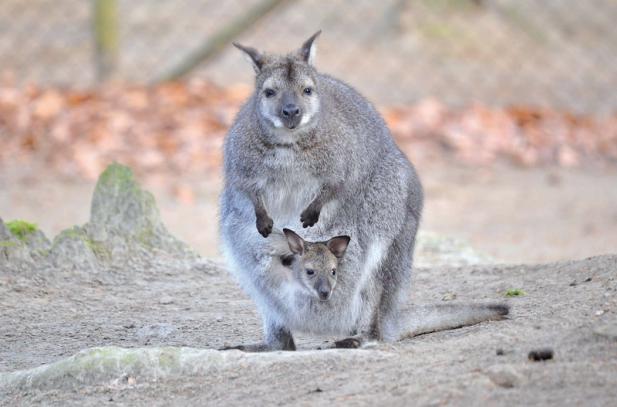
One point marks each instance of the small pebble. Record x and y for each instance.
(504, 376)
(500, 352)
(539, 355)
(608, 331)
(599, 312)
(166, 300)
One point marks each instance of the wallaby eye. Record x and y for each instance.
(333, 272)
(269, 92)
(310, 272)
(308, 91)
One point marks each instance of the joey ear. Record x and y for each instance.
(338, 245)
(295, 242)
(308, 50)
(255, 57)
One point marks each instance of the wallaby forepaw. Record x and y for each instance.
(264, 225)
(348, 343)
(309, 217)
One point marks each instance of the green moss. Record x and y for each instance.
(8, 243)
(73, 233)
(21, 229)
(515, 292)
(97, 248)
(117, 175)
(168, 358)
(145, 237)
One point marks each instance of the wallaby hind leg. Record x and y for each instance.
(356, 341)
(395, 275)
(277, 338)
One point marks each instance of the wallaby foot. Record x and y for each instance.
(288, 345)
(353, 342)
(253, 347)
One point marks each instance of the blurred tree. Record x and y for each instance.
(217, 42)
(106, 37)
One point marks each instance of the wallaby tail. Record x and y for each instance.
(424, 319)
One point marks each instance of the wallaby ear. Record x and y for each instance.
(295, 242)
(255, 57)
(309, 49)
(338, 245)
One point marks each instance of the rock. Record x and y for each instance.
(504, 376)
(14, 253)
(73, 249)
(607, 330)
(125, 218)
(125, 226)
(108, 365)
(540, 355)
(435, 250)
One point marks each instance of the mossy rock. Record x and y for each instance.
(21, 229)
(110, 365)
(124, 217)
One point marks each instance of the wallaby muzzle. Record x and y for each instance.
(323, 289)
(290, 113)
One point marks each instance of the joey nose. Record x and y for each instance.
(324, 294)
(291, 110)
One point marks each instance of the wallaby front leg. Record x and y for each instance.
(310, 215)
(263, 221)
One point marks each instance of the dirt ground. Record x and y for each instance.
(46, 318)
(166, 317)
(514, 215)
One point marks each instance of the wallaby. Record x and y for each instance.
(307, 150)
(314, 264)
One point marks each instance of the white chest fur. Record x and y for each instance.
(288, 190)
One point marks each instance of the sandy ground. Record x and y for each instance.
(46, 318)
(514, 215)
(191, 306)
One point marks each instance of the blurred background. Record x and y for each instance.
(507, 107)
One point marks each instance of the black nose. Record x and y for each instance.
(291, 110)
(324, 294)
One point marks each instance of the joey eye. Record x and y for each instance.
(308, 91)
(269, 92)
(310, 272)
(333, 272)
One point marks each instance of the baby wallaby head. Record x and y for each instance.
(315, 264)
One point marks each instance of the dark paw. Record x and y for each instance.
(348, 343)
(238, 347)
(264, 225)
(254, 347)
(309, 217)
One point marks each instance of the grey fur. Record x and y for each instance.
(338, 172)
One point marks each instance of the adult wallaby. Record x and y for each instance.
(307, 150)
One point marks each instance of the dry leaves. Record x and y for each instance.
(178, 128)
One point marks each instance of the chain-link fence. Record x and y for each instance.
(555, 53)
